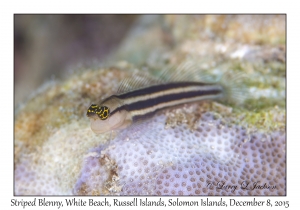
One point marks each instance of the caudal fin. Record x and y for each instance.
(235, 90)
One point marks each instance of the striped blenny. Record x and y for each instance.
(119, 111)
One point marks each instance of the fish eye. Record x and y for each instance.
(102, 112)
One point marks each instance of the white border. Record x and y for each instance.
(154, 6)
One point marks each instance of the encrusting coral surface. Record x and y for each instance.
(205, 148)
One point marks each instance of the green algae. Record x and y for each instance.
(264, 120)
(263, 103)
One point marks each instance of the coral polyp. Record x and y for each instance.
(213, 159)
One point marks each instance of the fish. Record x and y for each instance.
(138, 104)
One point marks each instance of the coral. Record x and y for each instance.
(193, 149)
(180, 161)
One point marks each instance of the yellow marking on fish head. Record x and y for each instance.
(102, 112)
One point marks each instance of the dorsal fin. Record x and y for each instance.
(189, 71)
(137, 81)
(234, 89)
(186, 71)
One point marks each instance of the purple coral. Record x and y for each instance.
(214, 159)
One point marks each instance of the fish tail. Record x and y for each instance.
(234, 89)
